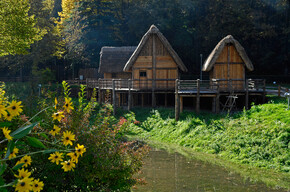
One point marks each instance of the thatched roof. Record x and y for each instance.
(113, 59)
(209, 62)
(154, 30)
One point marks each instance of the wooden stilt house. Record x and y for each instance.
(113, 60)
(227, 64)
(154, 64)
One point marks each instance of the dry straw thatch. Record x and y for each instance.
(113, 59)
(154, 30)
(209, 62)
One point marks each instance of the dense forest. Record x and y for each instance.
(76, 30)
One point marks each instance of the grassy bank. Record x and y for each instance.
(256, 138)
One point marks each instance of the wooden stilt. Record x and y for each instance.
(213, 108)
(198, 97)
(217, 110)
(129, 95)
(99, 92)
(114, 98)
(176, 101)
(247, 95)
(142, 99)
(181, 104)
(264, 91)
(153, 99)
(165, 101)
(279, 90)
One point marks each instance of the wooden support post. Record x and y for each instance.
(264, 91)
(165, 101)
(142, 99)
(153, 70)
(217, 110)
(129, 95)
(247, 95)
(181, 104)
(213, 108)
(279, 90)
(153, 99)
(114, 98)
(176, 101)
(197, 107)
(99, 92)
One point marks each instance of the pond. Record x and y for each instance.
(165, 172)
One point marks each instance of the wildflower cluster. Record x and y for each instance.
(18, 154)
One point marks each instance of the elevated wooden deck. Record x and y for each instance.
(214, 88)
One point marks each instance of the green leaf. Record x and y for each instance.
(16, 167)
(5, 124)
(22, 131)
(10, 148)
(2, 168)
(49, 151)
(34, 142)
(2, 182)
(44, 135)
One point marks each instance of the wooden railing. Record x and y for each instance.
(184, 85)
(160, 84)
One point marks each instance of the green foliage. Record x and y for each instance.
(259, 137)
(17, 28)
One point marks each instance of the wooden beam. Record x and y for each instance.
(154, 70)
(129, 95)
(247, 95)
(213, 108)
(165, 100)
(264, 91)
(197, 107)
(181, 104)
(142, 99)
(176, 101)
(217, 109)
(99, 92)
(114, 98)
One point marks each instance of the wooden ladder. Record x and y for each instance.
(231, 102)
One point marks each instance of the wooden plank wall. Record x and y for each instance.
(229, 66)
(166, 68)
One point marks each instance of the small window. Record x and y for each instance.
(142, 74)
(114, 75)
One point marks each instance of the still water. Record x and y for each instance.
(166, 172)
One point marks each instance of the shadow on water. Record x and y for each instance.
(174, 172)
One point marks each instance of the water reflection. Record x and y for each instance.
(175, 173)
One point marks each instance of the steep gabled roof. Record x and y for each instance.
(154, 30)
(113, 59)
(209, 62)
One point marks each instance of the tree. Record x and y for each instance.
(17, 28)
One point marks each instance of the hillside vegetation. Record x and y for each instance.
(258, 137)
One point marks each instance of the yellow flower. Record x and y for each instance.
(68, 105)
(6, 132)
(56, 157)
(58, 116)
(80, 149)
(2, 110)
(74, 156)
(26, 160)
(13, 153)
(67, 138)
(14, 108)
(55, 130)
(55, 102)
(37, 185)
(24, 185)
(68, 165)
(8, 117)
(22, 173)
